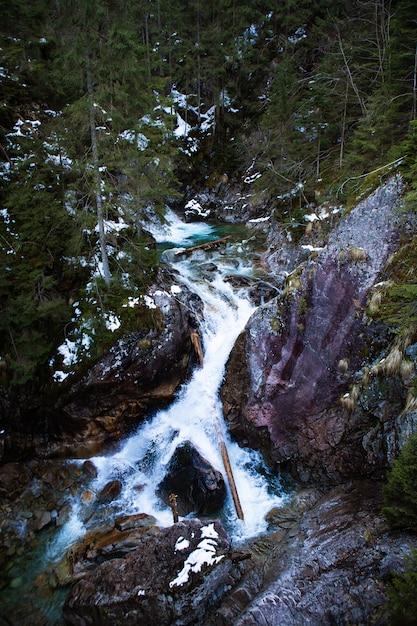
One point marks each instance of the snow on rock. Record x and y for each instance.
(170, 578)
(193, 208)
(204, 554)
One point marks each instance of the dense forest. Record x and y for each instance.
(111, 111)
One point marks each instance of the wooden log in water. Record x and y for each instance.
(203, 246)
(229, 472)
(195, 340)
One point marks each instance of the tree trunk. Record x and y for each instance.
(413, 113)
(97, 176)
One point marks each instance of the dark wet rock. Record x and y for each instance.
(224, 202)
(14, 477)
(104, 542)
(171, 578)
(283, 380)
(198, 486)
(90, 469)
(260, 289)
(110, 491)
(208, 267)
(42, 519)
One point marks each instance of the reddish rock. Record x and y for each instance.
(283, 380)
(87, 496)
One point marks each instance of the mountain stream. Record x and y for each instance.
(141, 461)
(196, 414)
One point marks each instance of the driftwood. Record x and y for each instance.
(195, 340)
(229, 472)
(203, 246)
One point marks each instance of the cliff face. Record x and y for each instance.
(300, 353)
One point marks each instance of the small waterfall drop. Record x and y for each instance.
(196, 413)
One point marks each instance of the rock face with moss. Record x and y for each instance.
(140, 371)
(299, 353)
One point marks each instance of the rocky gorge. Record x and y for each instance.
(313, 382)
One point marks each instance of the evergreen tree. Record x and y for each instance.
(402, 592)
(400, 497)
(36, 237)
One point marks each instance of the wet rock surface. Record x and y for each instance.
(326, 561)
(172, 577)
(284, 376)
(141, 371)
(197, 485)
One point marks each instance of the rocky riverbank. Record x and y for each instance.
(314, 382)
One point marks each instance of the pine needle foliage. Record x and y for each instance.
(400, 494)
(402, 592)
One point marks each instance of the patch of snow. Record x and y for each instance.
(150, 302)
(257, 220)
(204, 554)
(251, 179)
(112, 322)
(183, 128)
(131, 302)
(311, 217)
(209, 531)
(311, 248)
(193, 206)
(175, 289)
(181, 544)
(209, 118)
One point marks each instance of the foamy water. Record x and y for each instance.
(195, 415)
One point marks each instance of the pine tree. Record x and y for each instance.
(36, 237)
(400, 497)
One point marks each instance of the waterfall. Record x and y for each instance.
(196, 413)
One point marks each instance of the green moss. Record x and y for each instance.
(302, 307)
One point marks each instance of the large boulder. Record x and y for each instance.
(171, 578)
(198, 487)
(298, 353)
(140, 371)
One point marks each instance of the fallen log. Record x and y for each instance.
(195, 340)
(229, 472)
(203, 246)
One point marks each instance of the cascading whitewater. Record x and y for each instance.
(196, 414)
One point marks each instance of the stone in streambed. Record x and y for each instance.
(110, 491)
(102, 543)
(198, 486)
(90, 469)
